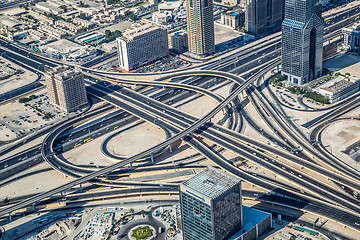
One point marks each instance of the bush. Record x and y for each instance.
(317, 97)
(24, 100)
(277, 79)
(142, 233)
(33, 97)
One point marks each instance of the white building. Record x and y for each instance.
(161, 17)
(178, 40)
(339, 88)
(143, 43)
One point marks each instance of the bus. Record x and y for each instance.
(88, 140)
(77, 145)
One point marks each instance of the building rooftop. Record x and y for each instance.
(251, 217)
(211, 182)
(138, 29)
(338, 83)
(170, 5)
(63, 46)
(119, 26)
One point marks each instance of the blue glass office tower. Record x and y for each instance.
(302, 41)
(211, 206)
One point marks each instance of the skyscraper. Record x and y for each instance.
(66, 88)
(200, 26)
(263, 15)
(210, 205)
(302, 41)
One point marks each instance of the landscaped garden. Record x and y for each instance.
(142, 232)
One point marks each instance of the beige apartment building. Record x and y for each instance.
(178, 41)
(200, 26)
(66, 88)
(141, 44)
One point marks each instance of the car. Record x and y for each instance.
(300, 176)
(308, 159)
(357, 223)
(256, 194)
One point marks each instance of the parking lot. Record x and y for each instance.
(164, 64)
(17, 119)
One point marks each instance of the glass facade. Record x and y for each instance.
(206, 217)
(200, 26)
(302, 40)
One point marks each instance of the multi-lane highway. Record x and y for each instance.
(179, 125)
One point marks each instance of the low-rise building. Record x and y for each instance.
(233, 19)
(143, 43)
(178, 41)
(74, 29)
(161, 17)
(339, 88)
(50, 7)
(230, 2)
(69, 51)
(54, 32)
(351, 37)
(82, 22)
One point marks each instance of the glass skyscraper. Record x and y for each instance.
(302, 41)
(211, 206)
(263, 15)
(200, 26)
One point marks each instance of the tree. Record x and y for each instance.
(107, 33)
(82, 16)
(48, 115)
(117, 33)
(131, 210)
(33, 97)
(142, 212)
(337, 74)
(81, 4)
(347, 74)
(133, 16)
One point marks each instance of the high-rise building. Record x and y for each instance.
(143, 43)
(66, 88)
(200, 26)
(302, 41)
(263, 15)
(351, 37)
(211, 206)
(178, 41)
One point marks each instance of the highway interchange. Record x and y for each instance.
(154, 106)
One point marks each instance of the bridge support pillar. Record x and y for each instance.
(10, 216)
(277, 68)
(241, 95)
(170, 148)
(107, 176)
(152, 158)
(33, 206)
(80, 188)
(130, 165)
